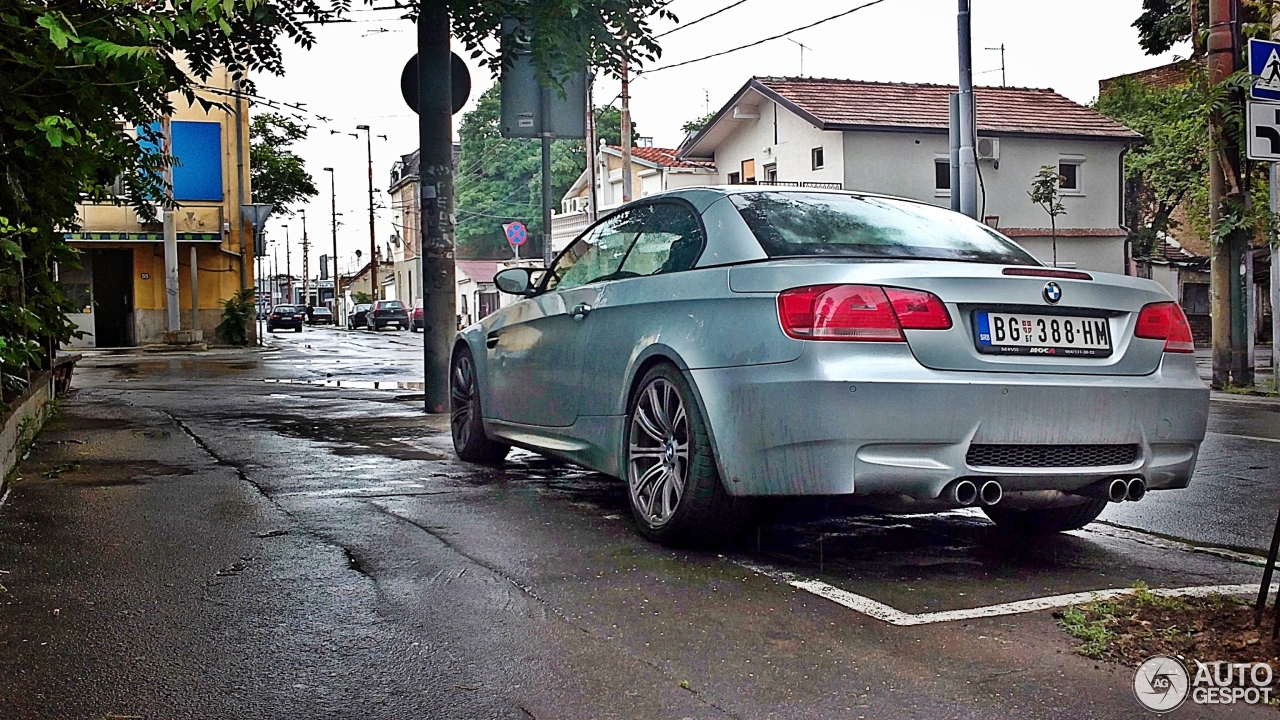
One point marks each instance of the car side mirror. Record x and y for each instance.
(516, 281)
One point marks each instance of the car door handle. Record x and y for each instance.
(581, 312)
(491, 340)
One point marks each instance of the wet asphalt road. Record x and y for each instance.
(270, 535)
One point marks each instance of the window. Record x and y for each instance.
(462, 304)
(597, 255)
(487, 303)
(816, 155)
(800, 224)
(671, 242)
(942, 175)
(735, 178)
(748, 171)
(771, 172)
(1069, 175)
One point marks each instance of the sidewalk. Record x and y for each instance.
(1262, 374)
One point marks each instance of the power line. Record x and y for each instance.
(760, 42)
(695, 22)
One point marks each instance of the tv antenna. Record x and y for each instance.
(1001, 49)
(803, 47)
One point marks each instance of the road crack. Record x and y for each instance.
(555, 610)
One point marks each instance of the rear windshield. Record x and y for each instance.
(362, 307)
(393, 304)
(795, 224)
(285, 309)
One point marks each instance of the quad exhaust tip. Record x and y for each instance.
(1118, 490)
(990, 493)
(1135, 490)
(963, 492)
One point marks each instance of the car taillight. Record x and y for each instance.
(918, 310)
(866, 313)
(1166, 321)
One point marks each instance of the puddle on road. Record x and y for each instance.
(358, 384)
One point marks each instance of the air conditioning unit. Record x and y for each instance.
(988, 148)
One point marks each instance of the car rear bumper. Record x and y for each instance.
(879, 424)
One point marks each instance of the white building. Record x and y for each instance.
(652, 170)
(892, 138)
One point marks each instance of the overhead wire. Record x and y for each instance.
(761, 42)
(695, 22)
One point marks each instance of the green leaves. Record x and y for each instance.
(59, 130)
(277, 175)
(60, 30)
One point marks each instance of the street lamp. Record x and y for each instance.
(373, 243)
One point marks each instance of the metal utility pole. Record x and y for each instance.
(288, 265)
(1275, 252)
(173, 320)
(240, 179)
(968, 160)
(373, 242)
(1228, 281)
(435, 182)
(593, 202)
(333, 224)
(306, 262)
(626, 133)
(548, 253)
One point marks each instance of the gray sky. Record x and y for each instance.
(352, 77)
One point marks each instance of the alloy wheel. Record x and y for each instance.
(658, 451)
(461, 399)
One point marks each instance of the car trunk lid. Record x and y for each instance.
(970, 290)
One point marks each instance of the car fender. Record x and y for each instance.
(640, 364)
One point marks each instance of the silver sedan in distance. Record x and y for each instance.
(725, 348)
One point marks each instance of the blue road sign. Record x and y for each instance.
(516, 233)
(1264, 63)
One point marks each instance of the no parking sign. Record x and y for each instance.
(516, 233)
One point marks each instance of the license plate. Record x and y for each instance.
(1001, 333)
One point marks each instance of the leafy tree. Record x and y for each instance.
(1045, 193)
(1170, 166)
(76, 75)
(609, 126)
(499, 180)
(697, 124)
(277, 175)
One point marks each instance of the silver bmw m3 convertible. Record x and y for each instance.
(722, 348)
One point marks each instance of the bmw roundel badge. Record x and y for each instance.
(1052, 293)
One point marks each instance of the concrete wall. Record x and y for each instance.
(1105, 254)
(22, 424)
(792, 153)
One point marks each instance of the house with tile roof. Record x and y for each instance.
(892, 138)
(653, 169)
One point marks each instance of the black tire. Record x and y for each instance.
(465, 417)
(704, 513)
(1047, 520)
(298, 329)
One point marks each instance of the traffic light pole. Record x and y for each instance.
(435, 143)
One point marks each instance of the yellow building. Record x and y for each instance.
(120, 286)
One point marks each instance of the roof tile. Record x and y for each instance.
(844, 103)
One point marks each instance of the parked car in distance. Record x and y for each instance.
(387, 312)
(285, 316)
(415, 318)
(355, 318)
(722, 349)
(320, 316)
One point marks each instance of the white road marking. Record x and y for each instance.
(1247, 437)
(893, 616)
(5, 497)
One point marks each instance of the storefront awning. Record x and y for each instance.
(156, 237)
